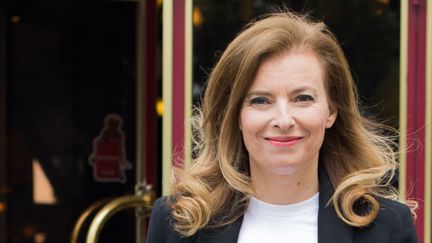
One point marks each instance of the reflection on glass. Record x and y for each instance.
(39, 238)
(43, 192)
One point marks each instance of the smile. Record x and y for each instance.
(283, 141)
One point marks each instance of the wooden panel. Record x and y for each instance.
(428, 145)
(178, 80)
(414, 182)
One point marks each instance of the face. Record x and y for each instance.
(285, 114)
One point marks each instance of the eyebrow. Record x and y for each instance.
(304, 88)
(295, 91)
(258, 93)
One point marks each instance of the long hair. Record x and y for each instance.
(358, 158)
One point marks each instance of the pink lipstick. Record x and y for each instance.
(283, 141)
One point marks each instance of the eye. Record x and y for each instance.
(303, 98)
(259, 101)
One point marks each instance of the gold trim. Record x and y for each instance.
(167, 70)
(428, 142)
(145, 201)
(141, 113)
(403, 97)
(83, 217)
(188, 82)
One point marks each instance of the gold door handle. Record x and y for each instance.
(145, 201)
(83, 217)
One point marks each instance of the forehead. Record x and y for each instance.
(290, 69)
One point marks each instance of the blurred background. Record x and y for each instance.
(95, 95)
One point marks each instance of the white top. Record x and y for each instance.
(264, 222)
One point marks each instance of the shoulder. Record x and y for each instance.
(394, 210)
(161, 206)
(160, 228)
(394, 221)
(158, 221)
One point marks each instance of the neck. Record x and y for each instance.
(296, 186)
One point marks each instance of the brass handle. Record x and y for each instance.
(116, 205)
(83, 217)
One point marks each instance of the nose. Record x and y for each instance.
(283, 118)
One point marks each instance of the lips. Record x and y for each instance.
(283, 141)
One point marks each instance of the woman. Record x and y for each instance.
(283, 153)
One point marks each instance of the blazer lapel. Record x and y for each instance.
(330, 227)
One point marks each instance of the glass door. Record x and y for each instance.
(75, 117)
(367, 30)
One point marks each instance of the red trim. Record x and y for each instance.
(416, 108)
(151, 95)
(178, 80)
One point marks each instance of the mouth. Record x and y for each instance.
(283, 141)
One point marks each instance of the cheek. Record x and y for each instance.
(314, 120)
(249, 120)
(251, 123)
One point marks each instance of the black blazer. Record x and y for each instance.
(393, 224)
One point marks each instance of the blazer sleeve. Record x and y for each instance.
(403, 229)
(155, 231)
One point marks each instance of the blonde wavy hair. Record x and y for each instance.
(358, 158)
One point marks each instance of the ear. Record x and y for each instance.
(331, 117)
